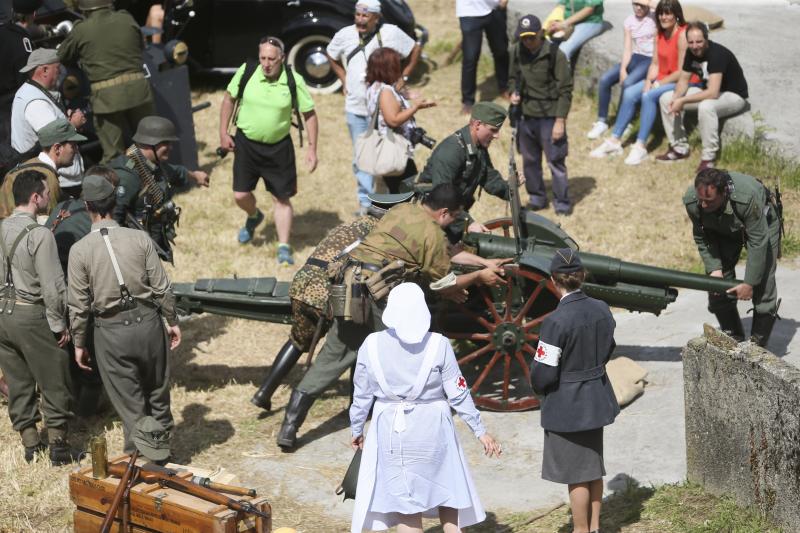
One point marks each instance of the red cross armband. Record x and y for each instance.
(547, 354)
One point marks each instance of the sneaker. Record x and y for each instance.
(285, 255)
(598, 128)
(671, 155)
(609, 147)
(637, 155)
(704, 164)
(250, 225)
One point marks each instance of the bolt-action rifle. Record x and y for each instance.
(514, 116)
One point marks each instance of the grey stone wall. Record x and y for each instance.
(743, 425)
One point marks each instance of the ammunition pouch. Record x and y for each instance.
(358, 284)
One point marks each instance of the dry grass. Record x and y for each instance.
(633, 213)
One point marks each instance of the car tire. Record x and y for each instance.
(307, 57)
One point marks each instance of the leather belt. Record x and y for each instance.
(371, 267)
(577, 376)
(313, 261)
(117, 80)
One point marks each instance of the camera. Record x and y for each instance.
(418, 136)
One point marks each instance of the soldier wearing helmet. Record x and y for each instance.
(146, 181)
(109, 46)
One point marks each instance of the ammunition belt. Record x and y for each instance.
(117, 80)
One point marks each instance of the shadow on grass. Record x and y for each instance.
(196, 433)
(307, 228)
(336, 423)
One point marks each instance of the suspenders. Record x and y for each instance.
(128, 301)
(10, 293)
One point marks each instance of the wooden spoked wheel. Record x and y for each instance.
(502, 224)
(497, 332)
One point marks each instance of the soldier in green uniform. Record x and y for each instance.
(414, 234)
(33, 325)
(309, 292)
(115, 275)
(146, 181)
(109, 45)
(463, 160)
(730, 210)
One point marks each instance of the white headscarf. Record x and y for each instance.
(407, 313)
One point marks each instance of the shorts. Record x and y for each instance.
(272, 162)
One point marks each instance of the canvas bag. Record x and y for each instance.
(381, 155)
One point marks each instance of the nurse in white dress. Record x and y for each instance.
(412, 464)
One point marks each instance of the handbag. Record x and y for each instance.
(381, 154)
(350, 481)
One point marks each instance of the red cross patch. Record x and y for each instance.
(547, 354)
(461, 383)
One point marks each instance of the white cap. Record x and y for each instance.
(372, 6)
(407, 313)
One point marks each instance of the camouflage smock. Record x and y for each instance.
(310, 284)
(408, 233)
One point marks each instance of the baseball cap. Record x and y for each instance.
(528, 26)
(39, 57)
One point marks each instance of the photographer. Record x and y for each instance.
(395, 110)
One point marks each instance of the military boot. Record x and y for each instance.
(60, 452)
(761, 329)
(32, 442)
(730, 323)
(296, 411)
(286, 359)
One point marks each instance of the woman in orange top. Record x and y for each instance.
(665, 68)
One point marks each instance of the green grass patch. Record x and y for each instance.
(757, 158)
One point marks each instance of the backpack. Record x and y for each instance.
(250, 69)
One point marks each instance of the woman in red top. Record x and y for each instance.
(662, 75)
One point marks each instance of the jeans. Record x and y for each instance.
(583, 32)
(472, 29)
(358, 124)
(630, 99)
(637, 70)
(709, 112)
(535, 137)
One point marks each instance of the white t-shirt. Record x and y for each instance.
(475, 8)
(643, 32)
(345, 41)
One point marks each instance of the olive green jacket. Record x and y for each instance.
(108, 44)
(745, 217)
(544, 93)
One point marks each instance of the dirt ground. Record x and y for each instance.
(629, 212)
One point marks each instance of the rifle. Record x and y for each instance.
(135, 224)
(514, 114)
(152, 473)
(127, 477)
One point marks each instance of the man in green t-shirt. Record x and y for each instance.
(262, 144)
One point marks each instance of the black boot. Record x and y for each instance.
(33, 451)
(730, 323)
(761, 328)
(296, 411)
(60, 452)
(284, 361)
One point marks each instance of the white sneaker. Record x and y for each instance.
(637, 155)
(609, 147)
(598, 128)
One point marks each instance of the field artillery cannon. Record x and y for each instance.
(496, 330)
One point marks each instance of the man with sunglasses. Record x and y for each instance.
(262, 144)
(348, 53)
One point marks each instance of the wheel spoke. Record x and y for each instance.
(486, 370)
(535, 322)
(477, 353)
(509, 293)
(506, 375)
(475, 337)
(479, 319)
(532, 298)
(528, 348)
(487, 299)
(524, 364)
(532, 337)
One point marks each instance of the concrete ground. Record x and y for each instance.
(646, 443)
(760, 33)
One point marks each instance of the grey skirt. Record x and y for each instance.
(575, 457)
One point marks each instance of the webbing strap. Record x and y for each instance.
(125, 294)
(9, 256)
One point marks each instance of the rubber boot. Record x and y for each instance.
(284, 362)
(730, 323)
(60, 452)
(296, 411)
(761, 329)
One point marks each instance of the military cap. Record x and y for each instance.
(26, 7)
(386, 201)
(566, 261)
(58, 131)
(153, 130)
(151, 439)
(39, 57)
(370, 6)
(489, 113)
(528, 26)
(96, 188)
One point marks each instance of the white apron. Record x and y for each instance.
(419, 477)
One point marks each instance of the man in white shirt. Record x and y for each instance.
(35, 105)
(477, 17)
(348, 52)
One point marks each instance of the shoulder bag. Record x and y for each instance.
(381, 154)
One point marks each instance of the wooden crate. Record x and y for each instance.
(155, 508)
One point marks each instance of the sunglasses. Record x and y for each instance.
(273, 41)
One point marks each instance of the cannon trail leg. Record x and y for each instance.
(284, 362)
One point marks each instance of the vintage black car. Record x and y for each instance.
(222, 33)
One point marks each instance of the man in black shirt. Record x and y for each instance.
(16, 44)
(724, 94)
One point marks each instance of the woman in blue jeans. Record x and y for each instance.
(640, 32)
(670, 44)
